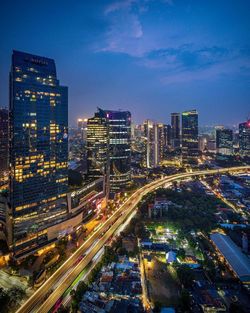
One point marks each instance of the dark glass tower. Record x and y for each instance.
(4, 143)
(109, 148)
(38, 151)
(224, 141)
(244, 138)
(190, 149)
(97, 146)
(175, 130)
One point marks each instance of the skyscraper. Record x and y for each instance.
(244, 138)
(175, 130)
(155, 143)
(167, 129)
(109, 148)
(161, 140)
(4, 143)
(224, 141)
(190, 149)
(38, 151)
(97, 146)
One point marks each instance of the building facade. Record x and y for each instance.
(244, 139)
(224, 141)
(4, 144)
(190, 148)
(167, 129)
(109, 148)
(155, 134)
(175, 130)
(38, 151)
(97, 146)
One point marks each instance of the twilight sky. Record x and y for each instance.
(151, 57)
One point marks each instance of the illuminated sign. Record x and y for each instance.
(82, 190)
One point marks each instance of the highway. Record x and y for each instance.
(47, 295)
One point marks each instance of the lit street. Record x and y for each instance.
(41, 302)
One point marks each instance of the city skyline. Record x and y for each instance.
(138, 55)
(125, 156)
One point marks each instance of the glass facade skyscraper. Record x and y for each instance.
(38, 151)
(109, 148)
(190, 148)
(244, 138)
(155, 143)
(4, 144)
(224, 141)
(175, 130)
(119, 132)
(97, 146)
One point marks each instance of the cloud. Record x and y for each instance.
(123, 36)
(175, 53)
(126, 32)
(118, 5)
(207, 64)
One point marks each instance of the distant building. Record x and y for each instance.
(119, 134)
(82, 128)
(161, 140)
(97, 146)
(171, 257)
(244, 139)
(109, 148)
(190, 149)
(38, 151)
(175, 130)
(245, 243)
(224, 141)
(4, 143)
(238, 262)
(211, 145)
(167, 129)
(155, 135)
(202, 142)
(158, 208)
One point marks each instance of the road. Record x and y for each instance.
(46, 297)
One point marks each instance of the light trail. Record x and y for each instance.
(44, 302)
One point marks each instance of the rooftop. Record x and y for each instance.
(239, 262)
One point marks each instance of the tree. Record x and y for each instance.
(181, 253)
(185, 275)
(185, 301)
(81, 288)
(236, 308)
(4, 300)
(15, 295)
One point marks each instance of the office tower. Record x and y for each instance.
(149, 136)
(82, 128)
(224, 141)
(175, 130)
(167, 135)
(97, 146)
(154, 134)
(79, 123)
(190, 137)
(244, 138)
(38, 152)
(119, 124)
(109, 148)
(202, 142)
(161, 140)
(4, 144)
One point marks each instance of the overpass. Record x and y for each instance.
(47, 295)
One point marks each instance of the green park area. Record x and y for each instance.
(187, 212)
